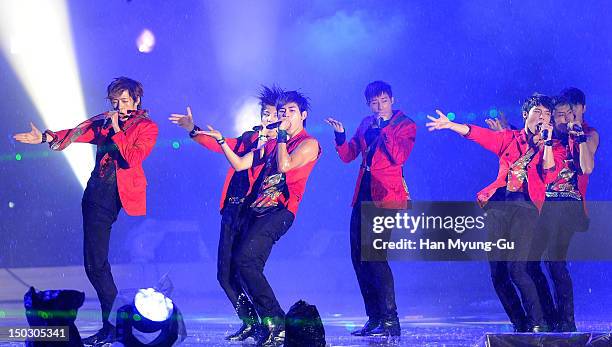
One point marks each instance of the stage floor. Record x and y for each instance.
(209, 329)
(426, 319)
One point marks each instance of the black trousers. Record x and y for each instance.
(374, 277)
(100, 207)
(557, 224)
(259, 235)
(227, 272)
(515, 221)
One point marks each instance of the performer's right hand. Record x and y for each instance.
(34, 137)
(336, 125)
(184, 121)
(216, 134)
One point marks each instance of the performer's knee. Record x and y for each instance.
(245, 261)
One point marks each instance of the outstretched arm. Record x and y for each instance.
(239, 163)
(444, 123)
(59, 140)
(494, 141)
(185, 121)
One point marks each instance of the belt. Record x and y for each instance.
(235, 200)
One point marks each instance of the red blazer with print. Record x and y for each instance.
(393, 147)
(134, 143)
(509, 146)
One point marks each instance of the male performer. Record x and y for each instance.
(237, 184)
(561, 214)
(564, 212)
(526, 157)
(272, 203)
(384, 140)
(124, 138)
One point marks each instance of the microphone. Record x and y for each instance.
(269, 126)
(545, 133)
(108, 121)
(577, 128)
(274, 125)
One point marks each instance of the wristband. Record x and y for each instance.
(192, 133)
(548, 143)
(221, 140)
(281, 136)
(44, 137)
(581, 138)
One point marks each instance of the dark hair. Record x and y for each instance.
(294, 96)
(538, 99)
(560, 100)
(574, 96)
(268, 96)
(377, 88)
(119, 84)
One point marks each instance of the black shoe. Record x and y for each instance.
(543, 328)
(106, 335)
(254, 330)
(370, 325)
(274, 335)
(387, 327)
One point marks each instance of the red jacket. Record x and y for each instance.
(134, 143)
(393, 147)
(240, 146)
(509, 146)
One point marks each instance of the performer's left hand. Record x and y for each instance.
(216, 134)
(498, 124)
(335, 124)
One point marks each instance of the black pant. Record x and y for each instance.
(515, 221)
(260, 234)
(557, 224)
(227, 273)
(375, 277)
(100, 207)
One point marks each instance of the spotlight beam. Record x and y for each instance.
(36, 40)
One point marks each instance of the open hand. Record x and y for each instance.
(185, 121)
(34, 137)
(438, 123)
(216, 134)
(336, 125)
